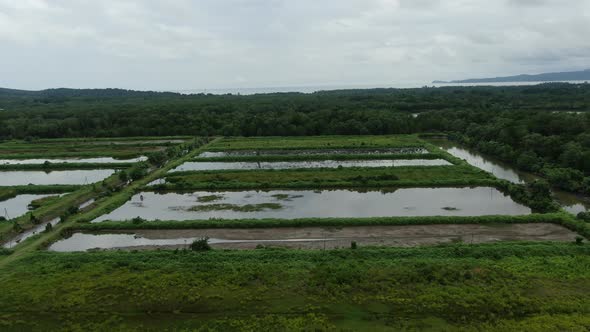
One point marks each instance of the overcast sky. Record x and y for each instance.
(183, 44)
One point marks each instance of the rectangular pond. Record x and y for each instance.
(72, 177)
(209, 166)
(293, 204)
(312, 152)
(97, 160)
(316, 237)
(17, 206)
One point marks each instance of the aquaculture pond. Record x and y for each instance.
(295, 204)
(207, 166)
(570, 202)
(73, 177)
(97, 160)
(312, 152)
(316, 237)
(40, 228)
(17, 206)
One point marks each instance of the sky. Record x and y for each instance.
(208, 44)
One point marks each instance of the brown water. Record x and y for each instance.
(293, 204)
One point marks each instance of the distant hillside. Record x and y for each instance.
(91, 93)
(583, 75)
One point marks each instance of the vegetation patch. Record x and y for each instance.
(232, 207)
(209, 198)
(548, 286)
(316, 142)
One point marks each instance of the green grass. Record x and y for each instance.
(321, 157)
(64, 166)
(558, 218)
(7, 193)
(410, 176)
(236, 207)
(316, 142)
(517, 286)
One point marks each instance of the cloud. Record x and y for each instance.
(186, 44)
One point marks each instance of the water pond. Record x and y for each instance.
(293, 204)
(207, 166)
(71, 177)
(97, 160)
(17, 206)
(40, 228)
(570, 202)
(312, 152)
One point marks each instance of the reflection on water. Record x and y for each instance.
(17, 206)
(569, 202)
(312, 152)
(73, 177)
(322, 204)
(98, 160)
(202, 166)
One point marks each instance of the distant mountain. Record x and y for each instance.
(583, 75)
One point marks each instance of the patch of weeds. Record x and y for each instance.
(237, 208)
(209, 198)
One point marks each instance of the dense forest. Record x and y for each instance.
(542, 128)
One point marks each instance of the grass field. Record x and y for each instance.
(411, 176)
(316, 142)
(505, 286)
(121, 148)
(520, 286)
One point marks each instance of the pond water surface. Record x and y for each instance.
(37, 229)
(294, 204)
(17, 206)
(73, 177)
(97, 160)
(312, 152)
(570, 202)
(203, 166)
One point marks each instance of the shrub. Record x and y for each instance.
(579, 240)
(353, 245)
(201, 245)
(585, 216)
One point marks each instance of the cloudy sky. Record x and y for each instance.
(184, 44)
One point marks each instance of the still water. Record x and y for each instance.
(207, 166)
(312, 152)
(38, 229)
(73, 177)
(17, 206)
(570, 202)
(97, 160)
(294, 204)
